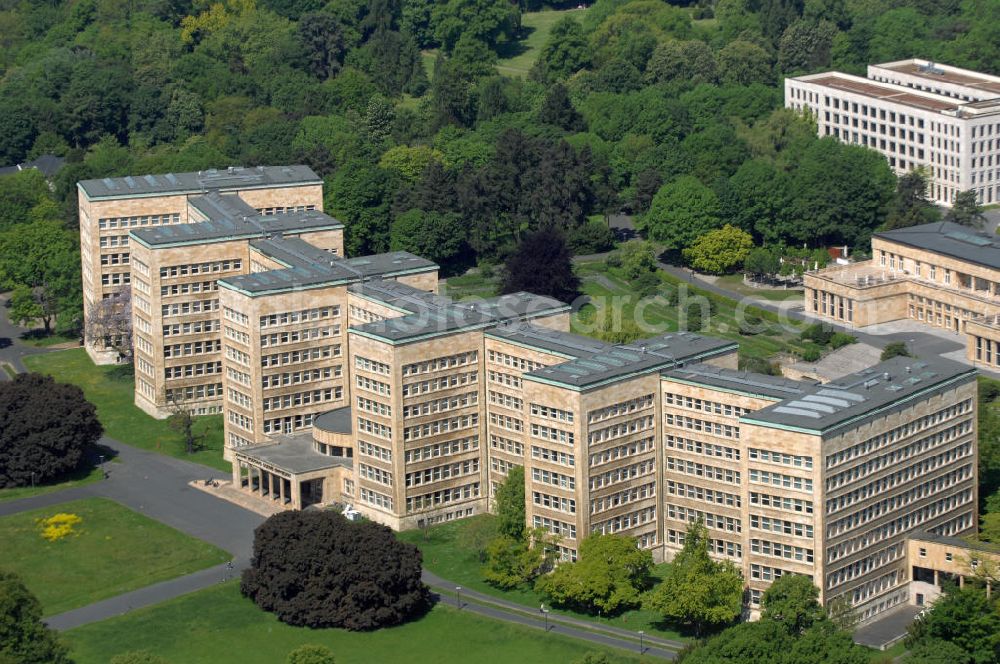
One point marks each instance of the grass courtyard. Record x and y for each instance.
(112, 551)
(448, 554)
(219, 625)
(604, 284)
(113, 394)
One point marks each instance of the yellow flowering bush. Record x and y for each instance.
(58, 526)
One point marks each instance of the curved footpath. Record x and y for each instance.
(157, 486)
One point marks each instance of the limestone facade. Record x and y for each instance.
(918, 114)
(946, 289)
(110, 208)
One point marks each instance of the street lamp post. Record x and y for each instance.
(642, 645)
(545, 616)
(458, 596)
(32, 479)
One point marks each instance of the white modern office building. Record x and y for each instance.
(918, 114)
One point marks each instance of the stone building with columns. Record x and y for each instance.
(941, 274)
(351, 381)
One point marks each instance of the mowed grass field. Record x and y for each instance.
(113, 394)
(220, 625)
(79, 478)
(112, 551)
(517, 58)
(447, 553)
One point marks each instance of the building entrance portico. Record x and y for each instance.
(289, 472)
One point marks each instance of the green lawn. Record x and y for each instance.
(471, 284)
(734, 282)
(116, 550)
(113, 395)
(603, 284)
(447, 555)
(517, 58)
(39, 339)
(79, 478)
(219, 625)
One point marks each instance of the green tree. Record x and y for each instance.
(793, 601)
(409, 162)
(42, 262)
(910, 206)
(935, 651)
(566, 51)
(895, 349)
(542, 264)
(557, 110)
(509, 505)
(436, 236)
(759, 642)
(637, 258)
(719, 251)
(24, 638)
(311, 654)
(493, 22)
(965, 210)
(513, 562)
(965, 618)
(609, 576)
(697, 590)
(761, 262)
(323, 45)
(473, 57)
(682, 210)
(743, 63)
(360, 196)
(838, 194)
(805, 46)
(689, 61)
(19, 193)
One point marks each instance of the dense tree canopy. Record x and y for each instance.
(793, 628)
(609, 576)
(318, 569)
(46, 429)
(24, 638)
(698, 591)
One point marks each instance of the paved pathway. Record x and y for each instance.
(12, 349)
(921, 342)
(157, 486)
(492, 607)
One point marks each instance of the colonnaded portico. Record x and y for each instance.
(302, 469)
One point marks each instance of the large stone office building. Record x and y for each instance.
(918, 114)
(350, 380)
(110, 208)
(940, 274)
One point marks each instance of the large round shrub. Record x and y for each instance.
(46, 429)
(317, 569)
